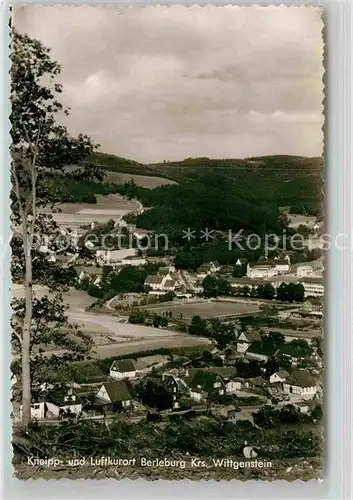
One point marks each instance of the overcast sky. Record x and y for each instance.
(165, 83)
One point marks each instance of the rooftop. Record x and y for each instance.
(202, 380)
(118, 391)
(123, 365)
(301, 378)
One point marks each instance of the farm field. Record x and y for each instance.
(205, 308)
(176, 342)
(107, 207)
(145, 181)
(76, 300)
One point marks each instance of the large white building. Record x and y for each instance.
(261, 270)
(111, 257)
(134, 260)
(313, 286)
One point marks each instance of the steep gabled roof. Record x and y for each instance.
(170, 283)
(154, 279)
(202, 381)
(301, 378)
(123, 365)
(253, 336)
(118, 391)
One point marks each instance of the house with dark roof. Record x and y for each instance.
(123, 369)
(245, 339)
(117, 395)
(207, 269)
(300, 382)
(261, 351)
(279, 376)
(203, 384)
(258, 382)
(160, 283)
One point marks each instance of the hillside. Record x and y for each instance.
(292, 181)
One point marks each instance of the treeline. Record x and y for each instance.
(285, 180)
(222, 333)
(214, 286)
(149, 318)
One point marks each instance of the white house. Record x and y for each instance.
(260, 270)
(236, 384)
(123, 369)
(43, 410)
(203, 383)
(71, 402)
(301, 382)
(38, 410)
(279, 376)
(159, 284)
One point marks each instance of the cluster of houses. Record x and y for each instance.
(250, 345)
(275, 272)
(200, 385)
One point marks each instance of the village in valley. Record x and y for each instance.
(167, 242)
(229, 341)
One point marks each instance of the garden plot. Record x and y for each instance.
(107, 207)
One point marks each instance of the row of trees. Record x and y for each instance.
(214, 286)
(149, 318)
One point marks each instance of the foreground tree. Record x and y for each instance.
(40, 151)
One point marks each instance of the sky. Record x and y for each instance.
(167, 83)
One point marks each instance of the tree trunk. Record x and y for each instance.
(26, 335)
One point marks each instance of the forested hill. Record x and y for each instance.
(293, 181)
